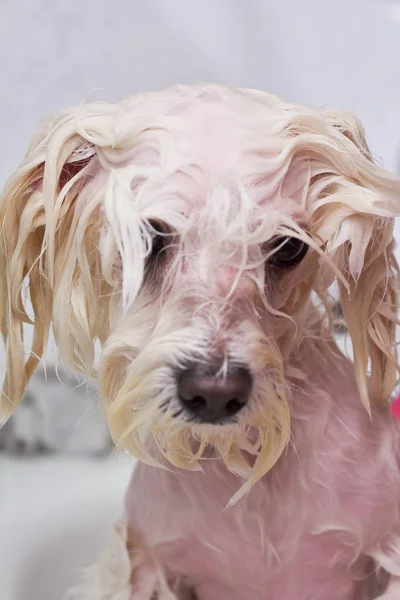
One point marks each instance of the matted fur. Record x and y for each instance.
(76, 233)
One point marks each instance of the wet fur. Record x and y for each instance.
(297, 498)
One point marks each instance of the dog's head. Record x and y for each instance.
(191, 232)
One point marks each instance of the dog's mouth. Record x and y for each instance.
(192, 410)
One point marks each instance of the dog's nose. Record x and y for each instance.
(210, 397)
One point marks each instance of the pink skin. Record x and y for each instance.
(226, 278)
(306, 529)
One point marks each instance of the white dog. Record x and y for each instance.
(196, 233)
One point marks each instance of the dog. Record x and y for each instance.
(196, 234)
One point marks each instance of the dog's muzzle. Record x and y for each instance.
(209, 397)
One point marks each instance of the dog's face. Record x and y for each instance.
(190, 231)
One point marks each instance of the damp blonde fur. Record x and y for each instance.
(224, 172)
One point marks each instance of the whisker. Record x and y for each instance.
(163, 406)
(177, 413)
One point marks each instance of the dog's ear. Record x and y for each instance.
(40, 211)
(370, 306)
(355, 218)
(351, 127)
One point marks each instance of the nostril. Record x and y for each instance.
(233, 406)
(197, 401)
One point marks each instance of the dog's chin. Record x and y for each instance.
(147, 419)
(248, 445)
(244, 449)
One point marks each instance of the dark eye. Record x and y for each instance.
(289, 252)
(158, 240)
(159, 233)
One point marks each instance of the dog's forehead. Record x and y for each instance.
(214, 157)
(212, 130)
(214, 134)
(233, 147)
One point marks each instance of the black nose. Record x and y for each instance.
(212, 397)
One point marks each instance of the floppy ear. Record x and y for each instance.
(355, 219)
(43, 209)
(370, 307)
(351, 127)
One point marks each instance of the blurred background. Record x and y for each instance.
(60, 489)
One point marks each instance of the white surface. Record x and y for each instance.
(55, 518)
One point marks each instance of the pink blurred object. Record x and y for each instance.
(395, 404)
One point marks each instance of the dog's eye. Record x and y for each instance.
(159, 239)
(157, 242)
(289, 252)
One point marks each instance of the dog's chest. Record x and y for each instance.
(283, 546)
(245, 571)
(297, 531)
